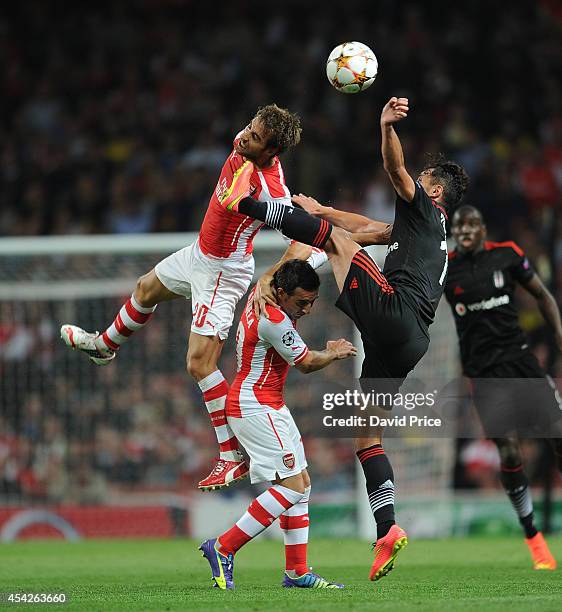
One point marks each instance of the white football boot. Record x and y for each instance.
(78, 339)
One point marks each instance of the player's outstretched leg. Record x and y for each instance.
(101, 348)
(261, 513)
(292, 222)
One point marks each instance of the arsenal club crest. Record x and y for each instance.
(289, 461)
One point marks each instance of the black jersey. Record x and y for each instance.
(480, 289)
(416, 259)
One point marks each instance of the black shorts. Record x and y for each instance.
(517, 398)
(394, 339)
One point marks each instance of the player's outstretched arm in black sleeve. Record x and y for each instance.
(547, 305)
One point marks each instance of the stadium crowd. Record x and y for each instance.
(73, 433)
(117, 118)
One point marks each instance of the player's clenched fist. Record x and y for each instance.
(341, 348)
(394, 110)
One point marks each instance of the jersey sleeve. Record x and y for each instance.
(283, 337)
(520, 266)
(273, 187)
(421, 201)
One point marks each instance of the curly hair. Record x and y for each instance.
(450, 175)
(283, 126)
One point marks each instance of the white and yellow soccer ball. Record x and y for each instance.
(351, 67)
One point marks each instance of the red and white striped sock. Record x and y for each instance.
(130, 318)
(294, 523)
(214, 388)
(260, 514)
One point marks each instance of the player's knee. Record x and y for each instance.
(362, 443)
(144, 291)
(510, 456)
(198, 366)
(295, 483)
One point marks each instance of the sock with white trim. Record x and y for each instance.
(294, 522)
(379, 479)
(516, 486)
(260, 515)
(129, 319)
(215, 388)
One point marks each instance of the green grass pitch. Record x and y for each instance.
(462, 574)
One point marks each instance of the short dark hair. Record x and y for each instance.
(283, 126)
(467, 209)
(296, 273)
(450, 175)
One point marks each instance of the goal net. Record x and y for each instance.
(119, 450)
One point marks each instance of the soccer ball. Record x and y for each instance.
(351, 67)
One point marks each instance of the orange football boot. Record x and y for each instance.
(386, 550)
(542, 557)
(239, 188)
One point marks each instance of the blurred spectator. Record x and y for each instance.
(85, 487)
(118, 121)
(125, 131)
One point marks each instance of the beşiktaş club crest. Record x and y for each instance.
(499, 279)
(288, 338)
(460, 309)
(289, 461)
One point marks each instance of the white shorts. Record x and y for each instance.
(214, 285)
(273, 443)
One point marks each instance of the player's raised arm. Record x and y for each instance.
(317, 360)
(395, 110)
(547, 305)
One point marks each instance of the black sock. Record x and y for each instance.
(293, 222)
(516, 486)
(380, 486)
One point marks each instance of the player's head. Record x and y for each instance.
(468, 229)
(296, 287)
(272, 131)
(443, 180)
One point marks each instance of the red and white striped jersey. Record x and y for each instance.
(227, 234)
(265, 349)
